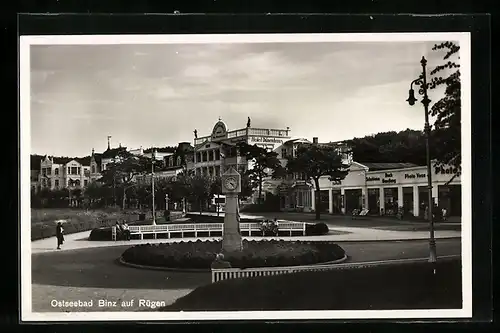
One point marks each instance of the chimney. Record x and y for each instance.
(315, 140)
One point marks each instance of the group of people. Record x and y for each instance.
(269, 227)
(122, 231)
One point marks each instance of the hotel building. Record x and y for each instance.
(209, 149)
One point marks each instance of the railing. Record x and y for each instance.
(168, 229)
(248, 131)
(220, 274)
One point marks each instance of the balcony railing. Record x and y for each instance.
(249, 131)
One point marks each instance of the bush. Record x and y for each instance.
(101, 234)
(391, 287)
(317, 229)
(200, 254)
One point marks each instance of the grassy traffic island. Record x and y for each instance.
(395, 287)
(200, 254)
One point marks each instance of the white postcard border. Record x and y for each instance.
(26, 298)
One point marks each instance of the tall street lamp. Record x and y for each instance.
(422, 81)
(153, 157)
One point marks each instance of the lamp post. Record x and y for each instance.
(422, 80)
(153, 183)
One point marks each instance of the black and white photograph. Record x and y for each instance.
(253, 176)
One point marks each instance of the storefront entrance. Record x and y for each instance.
(374, 201)
(450, 198)
(391, 201)
(408, 200)
(337, 202)
(422, 196)
(353, 200)
(324, 198)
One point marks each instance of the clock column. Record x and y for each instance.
(231, 186)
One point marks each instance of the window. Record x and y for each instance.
(217, 154)
(79, 171)
(210, 155)
(44, 171)
(93, 168)
(56, 171)
(49, 171)
(56, 182)
(283, 152)
(85, 182)
(217, 170)
(178, 161)
(49, 182)
(198, 157)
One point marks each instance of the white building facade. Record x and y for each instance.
(383, 191)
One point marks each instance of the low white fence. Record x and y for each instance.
(220, 274)
(253, 229)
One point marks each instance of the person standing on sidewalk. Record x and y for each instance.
(59, 235)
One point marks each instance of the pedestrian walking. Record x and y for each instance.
(59, 235)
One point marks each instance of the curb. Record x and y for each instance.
(192, 270)
(367, 264)
(166, 269)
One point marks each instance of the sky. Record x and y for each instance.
(158, 94)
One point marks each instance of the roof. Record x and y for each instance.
(113, 152)
(388, 166)
(161, 150)
(98, 158)
(298, 140)
(62, 160)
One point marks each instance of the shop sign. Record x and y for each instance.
(264, 139)
(447, 171)
(388, 178)
(415, 175)
(372, 179)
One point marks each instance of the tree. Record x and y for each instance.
(264, 164)
(446, 134)
(122, 171)
(216, 189)
(390, 147)
(316, 161)
(200, 190)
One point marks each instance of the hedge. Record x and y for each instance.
(394, 287)
(200, 254)
(316, 229)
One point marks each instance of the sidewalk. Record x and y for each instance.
(80, 240)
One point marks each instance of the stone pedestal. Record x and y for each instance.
(231, 238)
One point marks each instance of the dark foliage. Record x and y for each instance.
(316, 229)
(200, 254)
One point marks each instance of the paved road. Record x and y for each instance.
(97, 267)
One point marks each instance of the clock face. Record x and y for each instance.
(230, 183)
